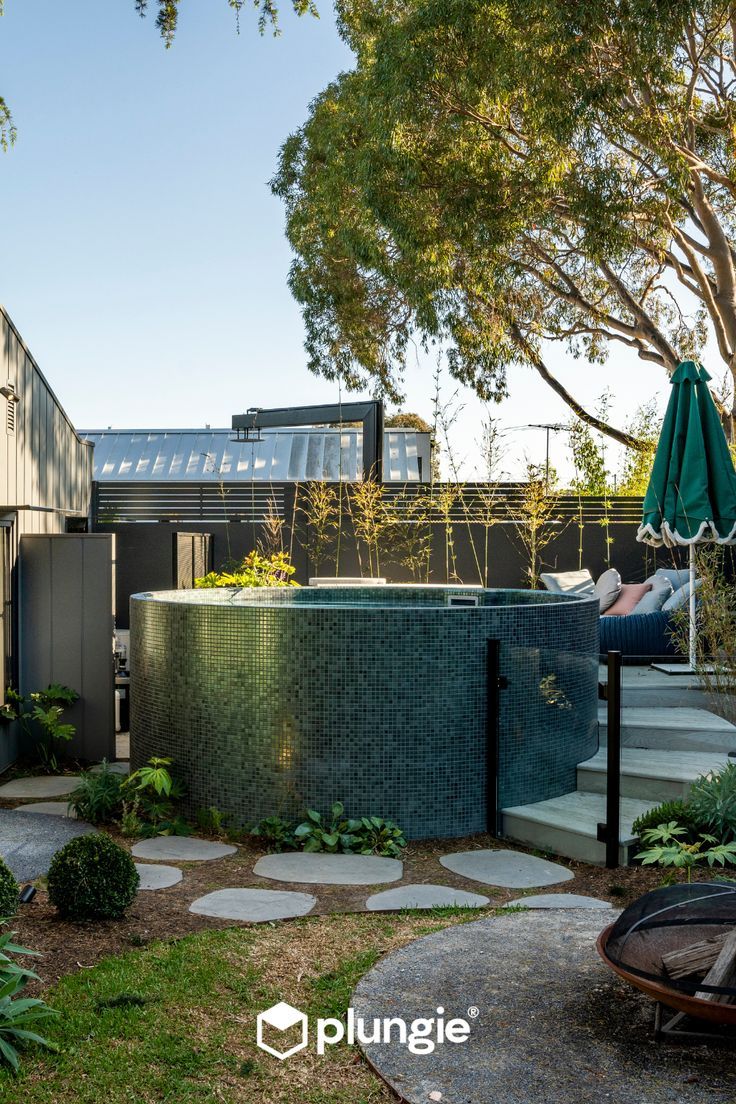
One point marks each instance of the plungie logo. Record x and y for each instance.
(283, 1030)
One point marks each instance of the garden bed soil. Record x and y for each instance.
(69, 946)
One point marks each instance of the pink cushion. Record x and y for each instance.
(631, 594)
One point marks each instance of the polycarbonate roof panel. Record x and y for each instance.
(280, 456)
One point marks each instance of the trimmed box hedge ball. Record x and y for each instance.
(9, 891)
(92, 878)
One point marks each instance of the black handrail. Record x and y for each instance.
(495, 682)
(610, 691)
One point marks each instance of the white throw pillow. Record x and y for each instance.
(608, 588)
(569, 582)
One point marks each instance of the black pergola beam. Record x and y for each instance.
(369, 412)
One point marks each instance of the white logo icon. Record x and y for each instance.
(282, 1017)
(420, 1036)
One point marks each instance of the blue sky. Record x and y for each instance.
(143, 256)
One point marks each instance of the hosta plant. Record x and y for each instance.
(376, 836)
(276, 833)
(332, 834)
(353, 836)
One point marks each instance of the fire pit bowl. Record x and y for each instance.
(696, 918)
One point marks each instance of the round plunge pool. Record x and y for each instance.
(273, 700)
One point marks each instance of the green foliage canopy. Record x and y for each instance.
(495, 174)
(167, 13)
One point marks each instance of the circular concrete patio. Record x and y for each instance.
(549, 1024)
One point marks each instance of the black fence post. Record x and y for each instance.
(610, 832)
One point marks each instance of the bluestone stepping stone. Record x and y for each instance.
(559, 901)
(255, 905)
(40, 786)
(117, 767)
(510, 869)
(424, 897)
(158, 877)
(181, 849)
(321, 869)
(49, 808)
(28, 842)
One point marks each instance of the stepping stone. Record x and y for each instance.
(50, 808)
(118, 767)
(510, 869)
(424, 897)
(28, 842)
(40, 786)
(321, 869)
(255, 905)
(559, 901)
(158, 877)
(181, 849)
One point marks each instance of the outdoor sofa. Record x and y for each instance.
(636, 618)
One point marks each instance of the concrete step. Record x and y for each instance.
(679, 729)
(651, 775)
(568, 825)
(644, 686)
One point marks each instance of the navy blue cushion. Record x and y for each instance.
(644, 635)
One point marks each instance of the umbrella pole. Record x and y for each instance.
(693, 656)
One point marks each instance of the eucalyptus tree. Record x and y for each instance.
(498, 175)
(167, 13)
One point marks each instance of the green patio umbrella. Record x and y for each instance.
(691, 497)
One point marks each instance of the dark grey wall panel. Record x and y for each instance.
(66, 583)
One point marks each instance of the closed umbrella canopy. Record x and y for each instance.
(691, 497)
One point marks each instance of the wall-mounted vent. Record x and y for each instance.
(10, 401)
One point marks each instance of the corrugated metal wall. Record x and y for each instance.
(45, 467)
(45, 472)
(279, 456)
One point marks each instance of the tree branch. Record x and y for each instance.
(532, 356)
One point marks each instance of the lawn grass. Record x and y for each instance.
(176, 1021)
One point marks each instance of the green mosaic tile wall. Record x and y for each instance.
(271, 700)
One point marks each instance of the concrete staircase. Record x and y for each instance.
(665, 748)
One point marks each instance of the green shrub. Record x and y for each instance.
(351, 836)
(39, 716)
(91, 877)
(149, 796)
(667, 847)
(331, 834)
(98, 798)
(8, 892)
(276, 834)
(19, 1015)
(375, 836)
(210, 819)
(713, 802)
(256, 570)
(679, 812)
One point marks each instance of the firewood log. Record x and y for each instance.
(723, 971)
(696, 958)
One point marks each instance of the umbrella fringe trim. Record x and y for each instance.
(707, 532)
